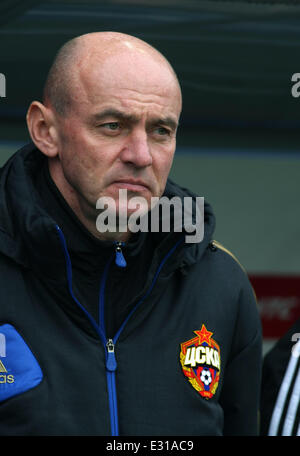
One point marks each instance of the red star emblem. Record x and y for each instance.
(204, 335)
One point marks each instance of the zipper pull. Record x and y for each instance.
(120, 260)
(111, 363)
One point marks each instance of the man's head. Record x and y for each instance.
(108, 120)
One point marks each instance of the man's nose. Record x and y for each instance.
(136, 150)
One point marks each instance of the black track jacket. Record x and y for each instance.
(186, 359)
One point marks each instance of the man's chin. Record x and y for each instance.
(132, 203)
(132, 211)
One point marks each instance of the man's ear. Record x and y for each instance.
(42, 129)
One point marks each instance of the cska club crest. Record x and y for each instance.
(201, 362)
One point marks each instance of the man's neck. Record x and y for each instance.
(86, 214)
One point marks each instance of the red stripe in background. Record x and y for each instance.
(278, 300)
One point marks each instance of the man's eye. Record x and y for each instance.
(163, 131)
(111, 125)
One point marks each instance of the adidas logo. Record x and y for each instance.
(4, 377)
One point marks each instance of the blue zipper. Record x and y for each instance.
(109, 345)
(111, 367)
(111, 362)
(111, 377)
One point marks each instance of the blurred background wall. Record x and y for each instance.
(238, 142)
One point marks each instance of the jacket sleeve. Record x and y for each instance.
(242, 375)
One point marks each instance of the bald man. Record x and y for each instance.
(105, 328)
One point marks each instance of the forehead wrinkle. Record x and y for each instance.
(161, 101)
(146, 93)
(111, 112)
(133, 103)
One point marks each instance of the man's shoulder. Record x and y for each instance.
(224, 261)
(227, 256)
(227, 273)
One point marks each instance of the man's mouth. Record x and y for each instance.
(134, 185)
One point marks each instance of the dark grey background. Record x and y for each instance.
(234, 60)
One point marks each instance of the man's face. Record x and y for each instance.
(120, 132)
